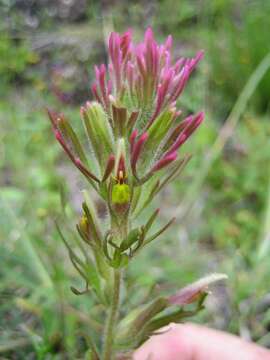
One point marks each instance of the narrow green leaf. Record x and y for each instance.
(149, 190)
(135, 197)
(70, 134)
(158, 233)
(87, 270)
(132, 237)
(148, 312)
(176, 171)
(151, 220)
(160, 127)
(78, 292)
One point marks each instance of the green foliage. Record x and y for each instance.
(15, 56)
(237, 44)
(239, 183)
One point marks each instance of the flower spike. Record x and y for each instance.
(136, 96)
(133, 131)
(143, 75)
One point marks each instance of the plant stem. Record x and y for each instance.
(112, 318)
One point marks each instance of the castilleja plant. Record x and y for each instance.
(135, 135)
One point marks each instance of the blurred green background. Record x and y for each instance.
(222, 202)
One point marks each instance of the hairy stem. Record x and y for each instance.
(112, 318)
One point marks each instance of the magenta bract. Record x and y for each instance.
(136, 106)
(142, 75)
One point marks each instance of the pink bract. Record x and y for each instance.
(142, 76)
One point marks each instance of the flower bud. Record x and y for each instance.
(156, 134)
(119, 121)
(120, 194)
(109, 167)
(99, 132)
(137, 149)
(166, 160)
(84, 225)
(191, 292)
(70, 135)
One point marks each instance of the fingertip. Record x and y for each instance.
(167, 345)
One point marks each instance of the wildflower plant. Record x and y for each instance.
(134, 135)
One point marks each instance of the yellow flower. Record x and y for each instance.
(120, 194)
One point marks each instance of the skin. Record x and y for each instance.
(194, 342)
